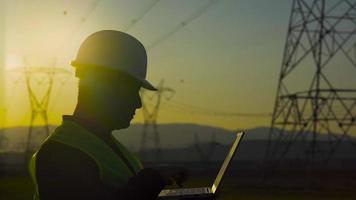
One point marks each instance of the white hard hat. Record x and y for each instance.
(117, 51)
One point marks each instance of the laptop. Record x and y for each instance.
(203, 192)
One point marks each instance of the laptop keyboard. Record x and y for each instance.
(184, 191)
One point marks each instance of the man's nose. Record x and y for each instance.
(138, 102)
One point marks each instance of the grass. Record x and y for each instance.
(20, 187)
(16, 188)
(258, 194)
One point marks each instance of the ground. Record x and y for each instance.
(20, 187)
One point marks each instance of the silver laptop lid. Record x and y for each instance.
(226, 162)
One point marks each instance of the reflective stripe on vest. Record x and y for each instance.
(113, 169)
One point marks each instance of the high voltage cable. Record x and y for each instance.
(206, 111)
(86, 16)
(71, 36)
(134, 21)
(82, 22)
(182, 24)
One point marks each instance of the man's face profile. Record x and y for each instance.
(114, 97)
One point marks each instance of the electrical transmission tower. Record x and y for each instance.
(3, 139)
(150, 131)
(206, 154)
(313, 118)
(2, 67)
(39, 83)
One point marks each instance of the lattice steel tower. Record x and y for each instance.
(205, 154)
(150, 134)
(2, 67)
(315, 106)
(39, 83)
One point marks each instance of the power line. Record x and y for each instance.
(82, 22)
(140, 17)
(182, 24)
(86, 16)
(150, 120)
(206, 111)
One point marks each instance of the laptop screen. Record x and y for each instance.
(227, 160)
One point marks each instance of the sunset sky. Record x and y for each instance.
(222, 63)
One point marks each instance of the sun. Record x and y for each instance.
(12, 61)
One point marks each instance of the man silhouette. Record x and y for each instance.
(81, 159)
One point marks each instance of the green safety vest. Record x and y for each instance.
(113, 170)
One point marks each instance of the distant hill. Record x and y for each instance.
(189, 142)
(14, 138)
(172, 135)
(185, 135)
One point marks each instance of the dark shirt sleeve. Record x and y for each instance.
(147, 184)
(64, 172)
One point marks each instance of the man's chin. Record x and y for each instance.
(128, 125)
(123, 125)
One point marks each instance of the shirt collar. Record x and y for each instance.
(99, 131)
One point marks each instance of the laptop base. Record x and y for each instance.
(186, 193)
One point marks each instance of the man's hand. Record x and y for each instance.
(172, 174)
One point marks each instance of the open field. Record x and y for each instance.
(15, 188)
(240, 183)
(20, 187)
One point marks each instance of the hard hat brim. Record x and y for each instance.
(144, 83)
(147, 85)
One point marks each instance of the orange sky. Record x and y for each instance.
(226, 60)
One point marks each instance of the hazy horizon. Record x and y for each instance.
(222, 58)
(224, 41)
